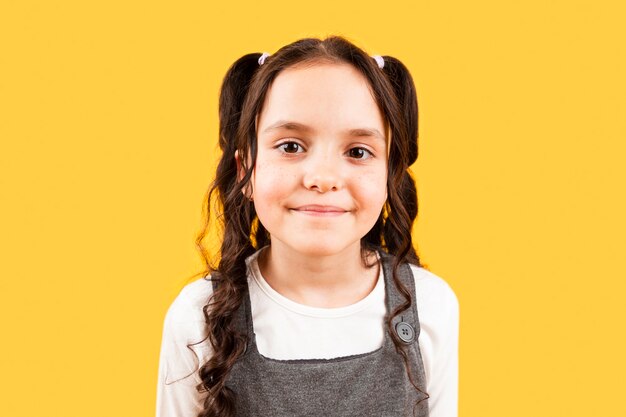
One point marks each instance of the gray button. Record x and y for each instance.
(405, 331)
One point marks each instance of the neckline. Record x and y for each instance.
(311, 311)
(252, 348)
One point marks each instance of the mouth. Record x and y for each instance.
(320, 211)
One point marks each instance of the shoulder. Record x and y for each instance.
(432, 285)
(184, 343)
(436, 301)
(188, 304)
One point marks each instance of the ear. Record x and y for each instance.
(240, 174)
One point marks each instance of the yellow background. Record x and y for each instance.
(108, 127)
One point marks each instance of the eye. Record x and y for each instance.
(359, 153)
(289, 147)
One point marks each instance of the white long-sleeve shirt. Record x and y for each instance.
(285, 329)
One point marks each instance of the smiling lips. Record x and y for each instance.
(320, 211)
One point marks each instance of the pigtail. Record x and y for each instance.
(232, 95)
(402, 205)
(404, 89)
(230, 275)
(401, 208)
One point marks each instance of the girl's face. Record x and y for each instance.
(320, 178)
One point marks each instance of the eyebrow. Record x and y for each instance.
(299, 127)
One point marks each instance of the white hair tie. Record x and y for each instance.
(379, 60)
(263, 57)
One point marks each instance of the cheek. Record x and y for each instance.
(372, 190)
(271, 184)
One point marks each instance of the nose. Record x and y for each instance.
(323, 174)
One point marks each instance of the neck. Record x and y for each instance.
(330, 281)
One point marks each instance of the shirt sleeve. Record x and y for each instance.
(438, 310)
(180, 357)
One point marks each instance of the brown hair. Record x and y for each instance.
(242, 95)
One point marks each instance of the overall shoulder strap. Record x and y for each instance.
(242, 317)
(394, 298)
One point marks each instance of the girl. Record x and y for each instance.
(312, 309)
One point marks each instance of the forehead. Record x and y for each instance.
(323, 96)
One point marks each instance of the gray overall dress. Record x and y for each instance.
(372, 384)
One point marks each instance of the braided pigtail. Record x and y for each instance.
(402, 207)
(230, 275)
